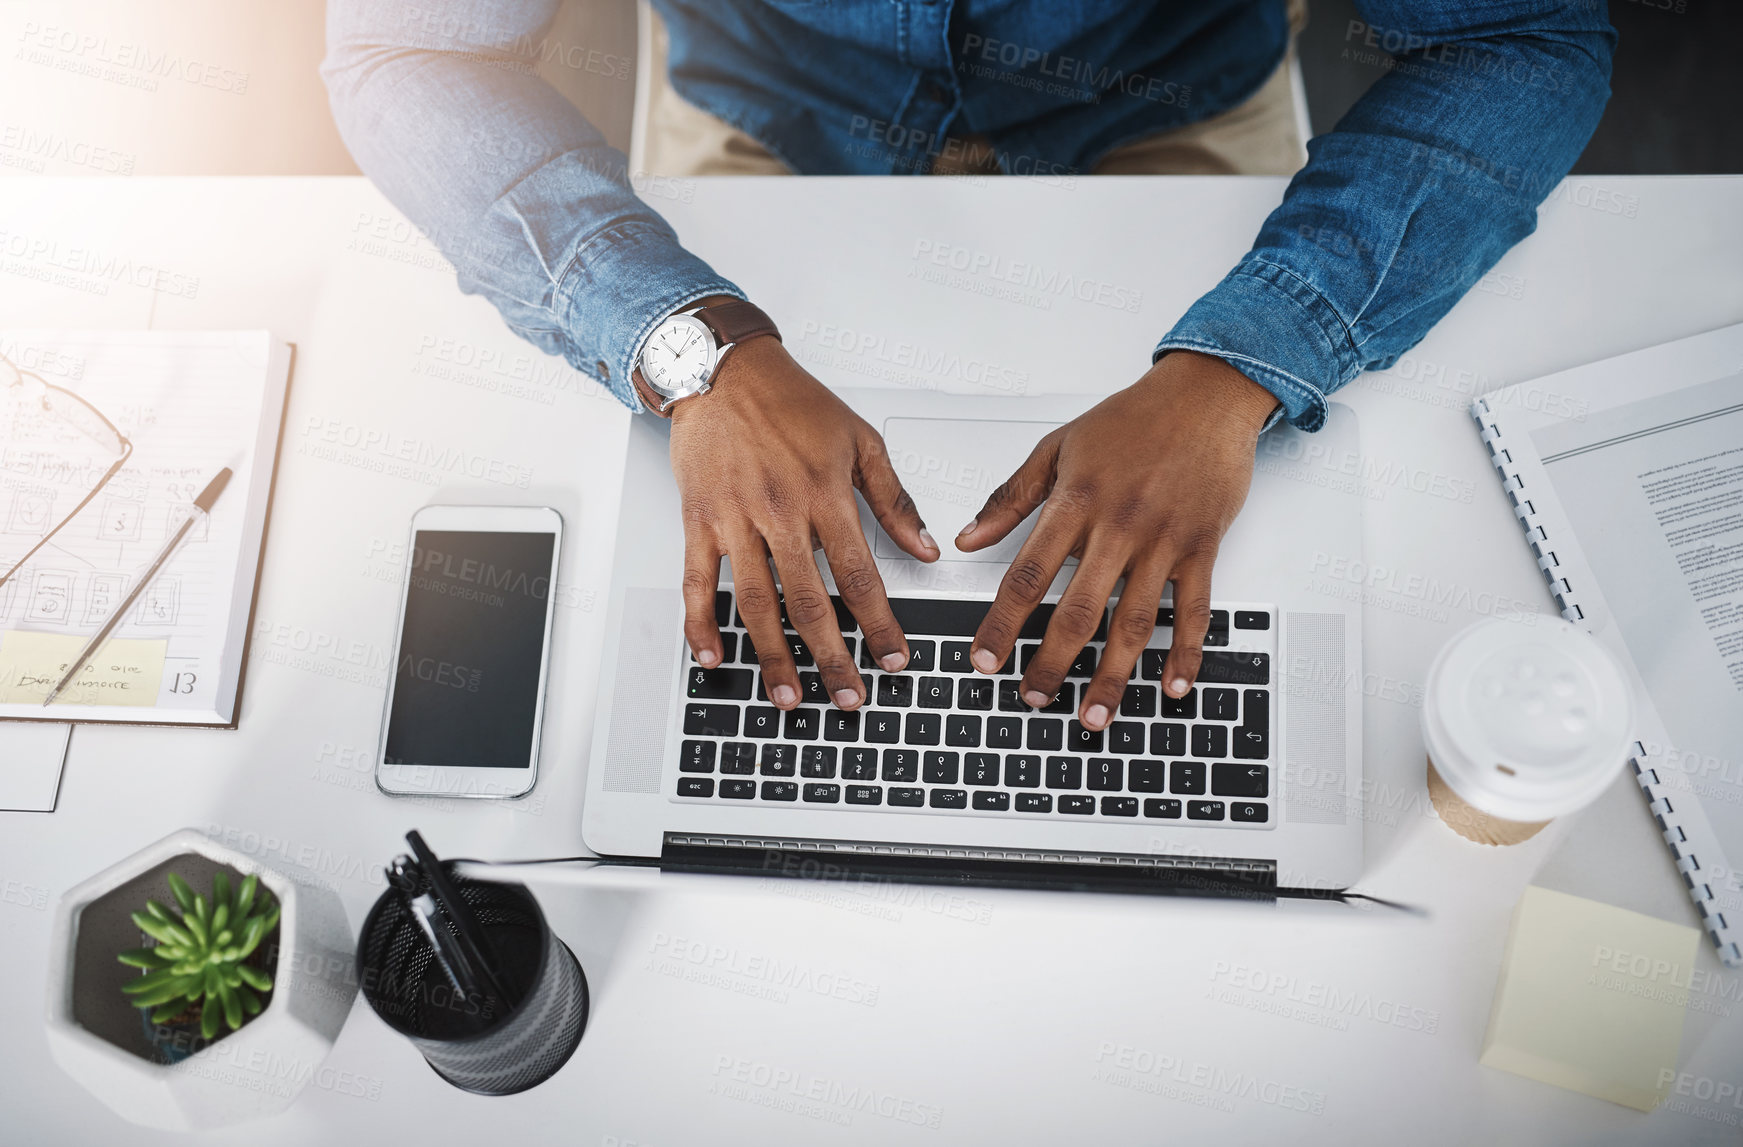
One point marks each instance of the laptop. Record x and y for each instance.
(1249, 784)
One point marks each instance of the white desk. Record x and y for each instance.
(997, 1012)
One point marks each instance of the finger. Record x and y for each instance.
(760, 605)
(1129, 631)
(1191, 620)
(1075, 620)
(701, 580)
(1015, 500)
(888, 498)
(862, 589)
(1024, 584)
(813, 615)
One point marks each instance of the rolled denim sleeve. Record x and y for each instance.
(441, 106)
(1414, 196)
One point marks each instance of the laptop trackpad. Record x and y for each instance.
(949, 467)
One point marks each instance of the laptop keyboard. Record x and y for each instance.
(939, 737)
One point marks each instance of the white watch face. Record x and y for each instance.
(678, 357)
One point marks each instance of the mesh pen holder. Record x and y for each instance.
(475, 1051)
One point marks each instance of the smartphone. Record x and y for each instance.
(467, 696)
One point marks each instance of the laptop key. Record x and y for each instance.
(908, 798)
(738, 757)
(711, 720)
(1251, 744)
(747, 653)
(738, 789)
(942, 768)
(988, 801)
(1223, 667)
(1221, 704)
(1022, 771)
(1046, 734)
(1232, 780)
(1165, 618)
(864, 794)
(1034, 802)
(1119, 806)
(1256, 709)
(949, 798)
(901, 765)
(696, 757)
(1204, 810)
(1151, 662)
(762, 721)
(936, 692)
(1081, 740)
(983, 769)
(1167, 739)
(802, 724)
(1064, 772)
(1026, 654)
(922, 656)
(954, 658)
(695, 786)
(1162, 808)
(728, 647)
(1063, 701)
(1210, 741)
(883, 728)
(1219, 619)
(811, 690)
(1011, 697)
(896, 691)
(1082, 805)
(1183, 707)
(780, 760)
(722, 608)
(1004, 732)
(1106, 774)
(922, 729)
(1126, 737)
(780, 790)
(975, 693)
(1248, 813)
(1216, 637)
(719, 684)
(1138, 701)
(1148, 777)
(1252, 619)
(1084, 666)
(840, 726)
(962, 730)
(823, 794)
(817, 761)
(1186, 778)
(859, 764)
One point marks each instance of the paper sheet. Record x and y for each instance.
(124, 671)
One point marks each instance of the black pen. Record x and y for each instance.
(202, 507)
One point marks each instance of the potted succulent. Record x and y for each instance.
(209, 967)
(195, 1028)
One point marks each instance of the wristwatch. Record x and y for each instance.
(683, 353)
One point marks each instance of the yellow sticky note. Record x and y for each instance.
(1591, 998)
(123, 672)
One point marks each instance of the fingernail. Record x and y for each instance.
(1037, 699)
(985, 660)
(1180, 686)
(893, 661)
(1095, 716)
(784, 695)
(926, 539)
(969, 529)
(846, 698)
(706, 658)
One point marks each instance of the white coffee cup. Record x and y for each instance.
(1524, 720)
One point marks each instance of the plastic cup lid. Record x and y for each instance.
(1526, 719)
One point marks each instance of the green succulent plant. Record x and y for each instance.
(199, 954)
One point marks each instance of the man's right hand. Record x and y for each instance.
(767, 463)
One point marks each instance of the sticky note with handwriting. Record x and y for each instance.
(125, 671)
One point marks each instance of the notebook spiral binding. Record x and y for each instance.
(1657, 793)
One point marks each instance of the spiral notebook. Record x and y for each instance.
(1627, 476)
(190, 403)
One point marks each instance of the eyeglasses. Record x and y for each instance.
(61, 403)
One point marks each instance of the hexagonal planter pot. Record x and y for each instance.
(101, 1040)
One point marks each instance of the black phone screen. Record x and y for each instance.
(466, 685)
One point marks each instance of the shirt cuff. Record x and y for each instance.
(1273, 327)
(619, 286)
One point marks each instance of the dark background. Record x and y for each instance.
(1676, 104)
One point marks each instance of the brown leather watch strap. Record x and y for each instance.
(736, 320)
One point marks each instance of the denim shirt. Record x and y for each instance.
(1401, 209)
